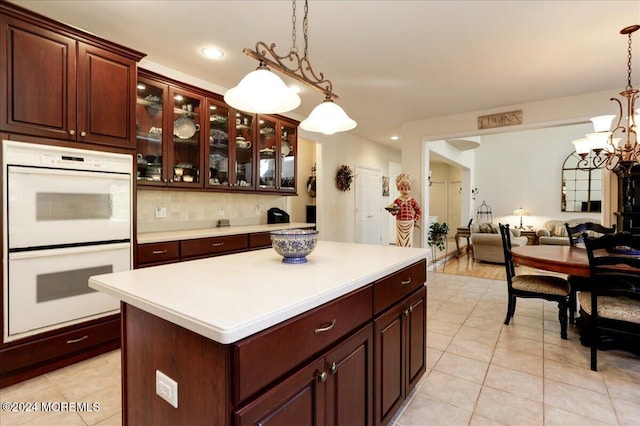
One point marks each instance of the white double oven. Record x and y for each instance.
(67, 216)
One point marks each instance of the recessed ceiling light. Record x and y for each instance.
(395, 138)
(212, 53)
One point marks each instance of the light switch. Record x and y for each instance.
(161, 212)
(167, 388)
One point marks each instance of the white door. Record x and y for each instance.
(454, 201)
(438, 201)
(368, 200)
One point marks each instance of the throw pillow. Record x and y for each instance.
(485, 228)
(559, 231)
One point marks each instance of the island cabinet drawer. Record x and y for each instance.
(266, 356)
(156, 253)
(203, 247)
(396, 286)
(259, 240)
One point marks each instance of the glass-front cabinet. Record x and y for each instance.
(185, 154)
(169, 147)
(149, 124)
(219, 132)
(288, 152)
(231, 148)
(244, 149)
(187, 137)
(277, 152)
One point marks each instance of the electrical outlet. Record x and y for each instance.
(167, 388)
(257, 209)
(220, 211)
(161, 212)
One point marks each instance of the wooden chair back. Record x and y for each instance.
(575, 232)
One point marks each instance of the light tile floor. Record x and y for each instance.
(480, 372)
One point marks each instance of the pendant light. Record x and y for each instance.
(262, 91)
(328, 118)
(614, 153)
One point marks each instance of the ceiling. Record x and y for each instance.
(390, 61)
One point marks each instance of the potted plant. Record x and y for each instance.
(437, 238)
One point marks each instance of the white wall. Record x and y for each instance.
(416, 137)
(524, 169)
(336, 209)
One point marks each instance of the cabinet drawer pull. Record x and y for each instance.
(159, 251)
(325, 328)
(217, 244)
(72, 132)
(83, 133)
(322, 377)
(77, 340)
(405, 282)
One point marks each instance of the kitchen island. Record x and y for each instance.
(249, 339)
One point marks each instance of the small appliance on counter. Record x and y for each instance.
(276, 215)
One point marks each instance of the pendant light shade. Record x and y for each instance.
(328, 118)
(262, 91)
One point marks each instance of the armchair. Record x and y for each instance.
(487, 242)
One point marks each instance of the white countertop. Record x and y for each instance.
(158, 237)
(228, 298)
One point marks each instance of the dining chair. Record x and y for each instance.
(547, 287)
(577, 282)
(612, 306)
(591, 228)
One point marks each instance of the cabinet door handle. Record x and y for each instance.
(159, 252)
(322, 377)
(83, 133)
(333, 368)
(217, 244)
(72, 132)
(325, 328)
(77, 340)
(407, 311)
(405, 282)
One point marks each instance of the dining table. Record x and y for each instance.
(571, 260)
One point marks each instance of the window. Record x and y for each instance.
(581, 185)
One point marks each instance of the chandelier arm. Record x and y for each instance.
(297, 71)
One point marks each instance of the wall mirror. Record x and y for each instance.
(581, 185)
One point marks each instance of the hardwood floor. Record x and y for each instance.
(466, 265)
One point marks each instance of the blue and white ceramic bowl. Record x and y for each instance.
(294, 244)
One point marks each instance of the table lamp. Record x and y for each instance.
(520, 212)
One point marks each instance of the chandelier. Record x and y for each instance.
(616, 149)
(262, 91)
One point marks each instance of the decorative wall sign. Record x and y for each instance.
(502, 119)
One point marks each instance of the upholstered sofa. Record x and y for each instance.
(554, 232)
(487, 242)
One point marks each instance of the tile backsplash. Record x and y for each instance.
(196, 210)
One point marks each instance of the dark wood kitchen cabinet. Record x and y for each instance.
(335, 389)
(61, 83)
(331, 365)
(400, 338)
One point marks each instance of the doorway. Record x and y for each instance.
(368, 205)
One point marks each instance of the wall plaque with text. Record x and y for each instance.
(501, 119)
